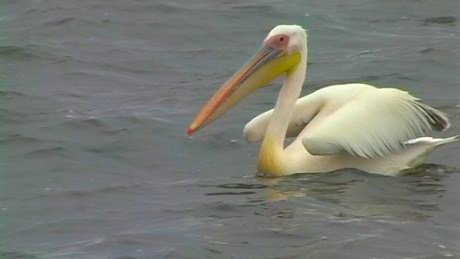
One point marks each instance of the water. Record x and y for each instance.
(95, 97)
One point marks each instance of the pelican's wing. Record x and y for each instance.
(373, 124)
(305, 110)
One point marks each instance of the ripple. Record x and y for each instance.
(92, 193)
(10, 117)
(85, 124)
(16, 255)
(441, 20)
(242, 186)
(10, 95)
(19, 139)
(229, 193)
(44, 153)
(60, 21)
(27, 52)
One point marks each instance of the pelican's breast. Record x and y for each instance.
(269, 162)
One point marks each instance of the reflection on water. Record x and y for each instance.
(328, 212)
(353, 194)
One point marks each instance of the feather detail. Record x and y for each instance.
(374, 123)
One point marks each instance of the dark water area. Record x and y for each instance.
(95, 97)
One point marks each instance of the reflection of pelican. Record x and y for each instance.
(340, 126)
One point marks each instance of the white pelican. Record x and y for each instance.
(340, 126)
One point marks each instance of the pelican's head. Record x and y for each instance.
(280, 54)
(295, 35)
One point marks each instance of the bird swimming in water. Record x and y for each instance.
(356, 126)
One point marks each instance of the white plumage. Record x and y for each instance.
(341, 126)
(356, 118)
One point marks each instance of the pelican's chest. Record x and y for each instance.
(269, 162)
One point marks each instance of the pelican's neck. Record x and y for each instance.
(270, 160)
(287, 98)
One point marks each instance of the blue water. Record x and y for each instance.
(95, 97)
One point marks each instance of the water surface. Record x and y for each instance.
(95, 97)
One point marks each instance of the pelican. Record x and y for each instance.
(354, 126)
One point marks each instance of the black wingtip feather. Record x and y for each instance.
(437, 119)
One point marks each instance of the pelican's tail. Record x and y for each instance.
(417, 150)
(433, 142)
(449, 140)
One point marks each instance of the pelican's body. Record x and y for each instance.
(312, 111)
(340, 126)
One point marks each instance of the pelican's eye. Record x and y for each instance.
(280, 41)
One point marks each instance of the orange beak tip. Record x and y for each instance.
(190, 132)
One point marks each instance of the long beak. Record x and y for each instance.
(266, 65)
